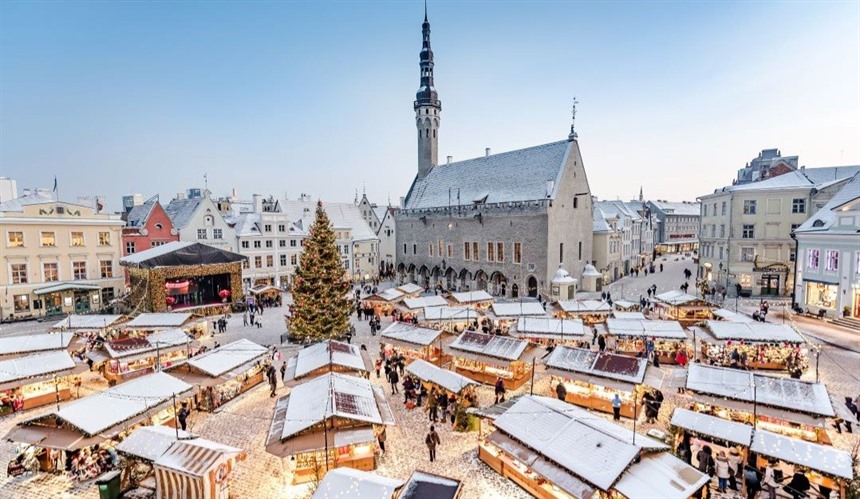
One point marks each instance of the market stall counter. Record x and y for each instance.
(614, 463)
(36, 380)
(302, 428)
(503, 315)
(551, 331)
(132, 357)
(754, 345)
(415, 342)
(679, 306)
(224, 373)
(591, 379)
(783, 405)
(631, 335)
(450, 319)
(324, 357)
(485, 358)
(591, 312)
(383, 302)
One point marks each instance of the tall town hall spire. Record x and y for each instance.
(427, 106)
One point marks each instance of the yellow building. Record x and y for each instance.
(57, 257)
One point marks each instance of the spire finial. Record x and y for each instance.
(573, 135)
(425, 11)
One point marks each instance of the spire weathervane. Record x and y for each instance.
(573, 135)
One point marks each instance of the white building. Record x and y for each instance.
(198, 220)
(633, 227)
(677, 227)
(828, 274)
(380, 219)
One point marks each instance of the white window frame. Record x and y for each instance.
(23, 239)
(827, 254)
(809, 257)
(59, 271)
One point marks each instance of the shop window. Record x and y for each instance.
(819, 294)
(19, 273)
(104, 238)
(812, 257)
(106, 269)
(746, 280)
(15, 239)
(22, 303)
(50, 272)
(832, 260)
(107, 295)
(48, 239)
(77, 238)
(749, 207)
(79, 270)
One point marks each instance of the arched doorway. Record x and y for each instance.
(451, 278)
(424, 273)
(499, 284)
(465, 277)
(410, 273)
(435, 276)
(515, 291)
(532, 286)
(481, 280)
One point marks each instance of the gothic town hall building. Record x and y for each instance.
(504, 222)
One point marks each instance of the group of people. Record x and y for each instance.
(249, 317)
(220, 324)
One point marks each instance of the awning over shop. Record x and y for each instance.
(507, 311)
(150, 442)
(347, 482)
(491, 349)
(671, 330)
(712, 426)
(661, 475)
(448, 380)
(159, 320)
(52, 437)
(10, 345)
(550, 328)
(65, 286)
(620, 372)
(466, 297)
(335, 353)
(30, 369)
(415, 304)
(823, 458)
(88, 322)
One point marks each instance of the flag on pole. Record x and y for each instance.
(55, 183)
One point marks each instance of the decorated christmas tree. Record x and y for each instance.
(320, 307)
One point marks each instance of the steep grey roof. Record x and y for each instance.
(671, 208)
(825, 218)
(139, 214)
(519, 175)
(180, 211)
(618, 209)
(342, 216)
(598, 219)
(807, 177)
(247, 224)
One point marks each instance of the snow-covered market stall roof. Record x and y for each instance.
(677, 298)
(97, 417)
(341, 356)
(660, 475)
(513, 310)
(449, 314)
(758, 332)
(467, 297)
(89, 322)
(296, 427)
(410, 335)
(728, 315)
(821, 458)
(34, 368)
(15, 345)
(424, 302)
(647, 328)
(423, 485)
(410, 288)
(550, 328)
(180, 253)
(624, 304)
(390, 295)
(578, 452)
(342, 483)
(191, 465)
(488, 348)
(150, 442)
(789, 399)
(131, 348)
(221, 364)
(585, 306)
(159, 320)
(601, 368)
(448, 380)
(628, 315)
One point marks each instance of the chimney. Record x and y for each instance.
(449, 159)
(258, 203)
(487, 152)
(26, 191)
(550, 185)
(402, 201)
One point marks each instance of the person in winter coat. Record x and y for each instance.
(433, 407)
(500, 390)
(601, 343)
(722, 466)
(432, 440)
(380, 437)
(799, 484)
(283, 372)
(648, 402)
(393, 378)
(378, 366)
(182, 415)
(272, 375)
(616, 408)
(752, 481)
(735, 468)
(561, 391)
(705, 460)
(770, 481)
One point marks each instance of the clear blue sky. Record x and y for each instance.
(316, 97)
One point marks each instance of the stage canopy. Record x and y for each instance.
(179, 253)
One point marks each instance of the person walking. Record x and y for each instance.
(601, 343)
(752, 481)
(432, 440)
(245, 318)
(378, 367)
(273, 379)
(799, 484)
(284, 372)
(182, 415)
(500, 390)
(433, 407)
(380, 437)
(393, 378)
(616, 408)
(722, 466)
(561, 391)
(770, 480)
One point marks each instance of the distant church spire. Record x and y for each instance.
(573, 135)
(641, 198)
(427, 106)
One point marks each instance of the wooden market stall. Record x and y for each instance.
(90, 323)
(722, 314)
(548, 464)
(485, 358)
(410, 290)
(190, 467)
(339, 432)
(757, 345)
(132, 357)
(16, 346)
(591, 379)
(224, 373)
(350, 483)
(148, 323)
(679, 306)
(103, 418)
(630, 336)
(628, 315)
(444, 379)
(626, 306)
(479, 300)
(324, 357)
(383, 302)
(783, 405)
(411, 308)
(415, 342)
(451, 319)
(589, 311)
(827, 466)
(36, 380)
(424, 485)
(551, 331)
(503, 315)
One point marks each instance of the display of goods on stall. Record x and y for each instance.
(631, 336)
(754, 345)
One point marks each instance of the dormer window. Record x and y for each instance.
(158, 226)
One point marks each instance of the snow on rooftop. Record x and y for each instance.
(410, 288)
(559, 328)
(472, 296)
(321, 354)
(661, 475)
(785, 393)
(87, 321)
(34, 343)
(728, 315)
(823, 458)
(228, 357)
(501, 347)
(390, 294)
(638, 327)
(448, 380)
(449, 314)
(628, 315)
(158, 319)
(348, 483)
(423, 485)
(31, 366)
(584, 306)
(150, 442)
(425, 302)
(753, 331)
(411, 333)
(676, 297)
(153, 342)
(602, 364)
(723, 429)
(518, 309)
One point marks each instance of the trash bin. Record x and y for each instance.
(109, 485)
